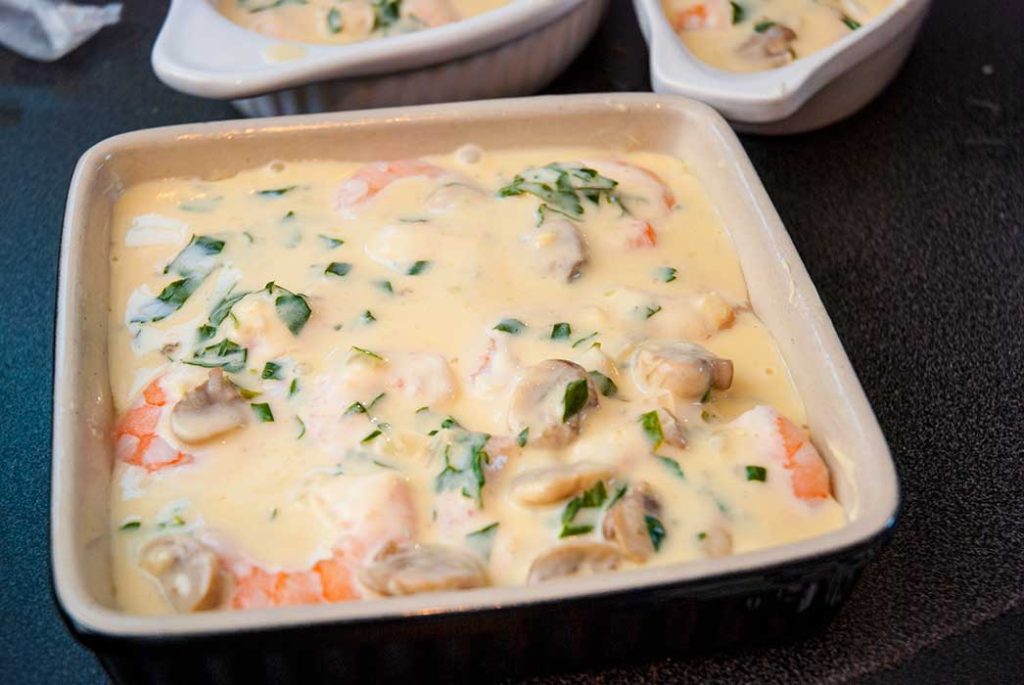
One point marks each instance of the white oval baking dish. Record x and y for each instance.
(513, 50)
(807, 94)
(776, 592)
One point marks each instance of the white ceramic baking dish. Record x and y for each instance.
(774, 592)
(809, 93)
(513, 50)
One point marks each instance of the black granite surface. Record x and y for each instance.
(909, 216)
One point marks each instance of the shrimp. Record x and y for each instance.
(371, 179)
(642, 186)
(780, 442)
(369, 513)
(710, 14)
(136, 441)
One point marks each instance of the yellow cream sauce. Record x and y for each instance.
(345, 21)
(748, 35)
(421, 269)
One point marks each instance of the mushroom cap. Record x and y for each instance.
(559, 249)
(187, 571)
(407, 569)
(539, 403)
(555, 483)
(684, 369)
(625, 523)
(209, 410)
(574, 559)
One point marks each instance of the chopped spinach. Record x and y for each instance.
(563, 188)
(226, 354)
(338, 268)
(655, 530)
(672, 465)
(561, 331)
(606, 386)
(651, 424)
(575, 398)
(272, 371)
(263, 411)
(758, 473)
(510, 326)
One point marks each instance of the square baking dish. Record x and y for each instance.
(770, 594)
(513, 50)
(807, 94)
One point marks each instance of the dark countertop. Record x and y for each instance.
(909, 216)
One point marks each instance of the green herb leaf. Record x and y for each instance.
(386, 13)
(371, 437)
(262, 410)
(355, 408)
(276, 192)
(758, 473)
(450, 422)
(367, 353)
(334, 20)
(367, 317)
(200, 205)
(651, 424)
(562, 188)
(338, 268)
(418, 267)
(271, 371)
(375, 400)
(464, 459)
(385, 286)
(706, 396)
(672, 465)
(606, 386)
(131, 525)
(329, 242)
(618, 495)
(738, 12)
(763, 25)
(226, 354)
(223, 308)
(510, 326)
(571, 530)
(851, 24)
(667, 274)
(655, 530)
(293, 310)
(523, 436)
(584, 339)
(576, 395)
(302, 428)
(481, 541)
(561, 331)
(205, 332)
(288, 216)
(652, 310)
(293, 387)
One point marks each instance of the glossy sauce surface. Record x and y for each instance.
(383, 324)
(345, 21)
(754, 35)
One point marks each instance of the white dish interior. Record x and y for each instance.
(775, 95)
(201, 52)
(781, 293)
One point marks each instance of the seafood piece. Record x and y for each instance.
(558, 249)
(136, 440)
(371, 179)
(772, 46)
(709, 14)
(778, 443)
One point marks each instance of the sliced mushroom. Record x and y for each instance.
(671, 430)
(188, 572)
(625, 523)
(574, 559)
(716, 541)
(559, 249)
(684, 369)
(773, 45)
(209, 410)
(556, 483)
(407, 569)
(545, 402)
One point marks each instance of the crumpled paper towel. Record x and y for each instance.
(46, 30)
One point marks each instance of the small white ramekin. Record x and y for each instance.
(514, 50)
(810, 93)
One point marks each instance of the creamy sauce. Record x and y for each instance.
(345, 21)
(410, 301)
(754, 35)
